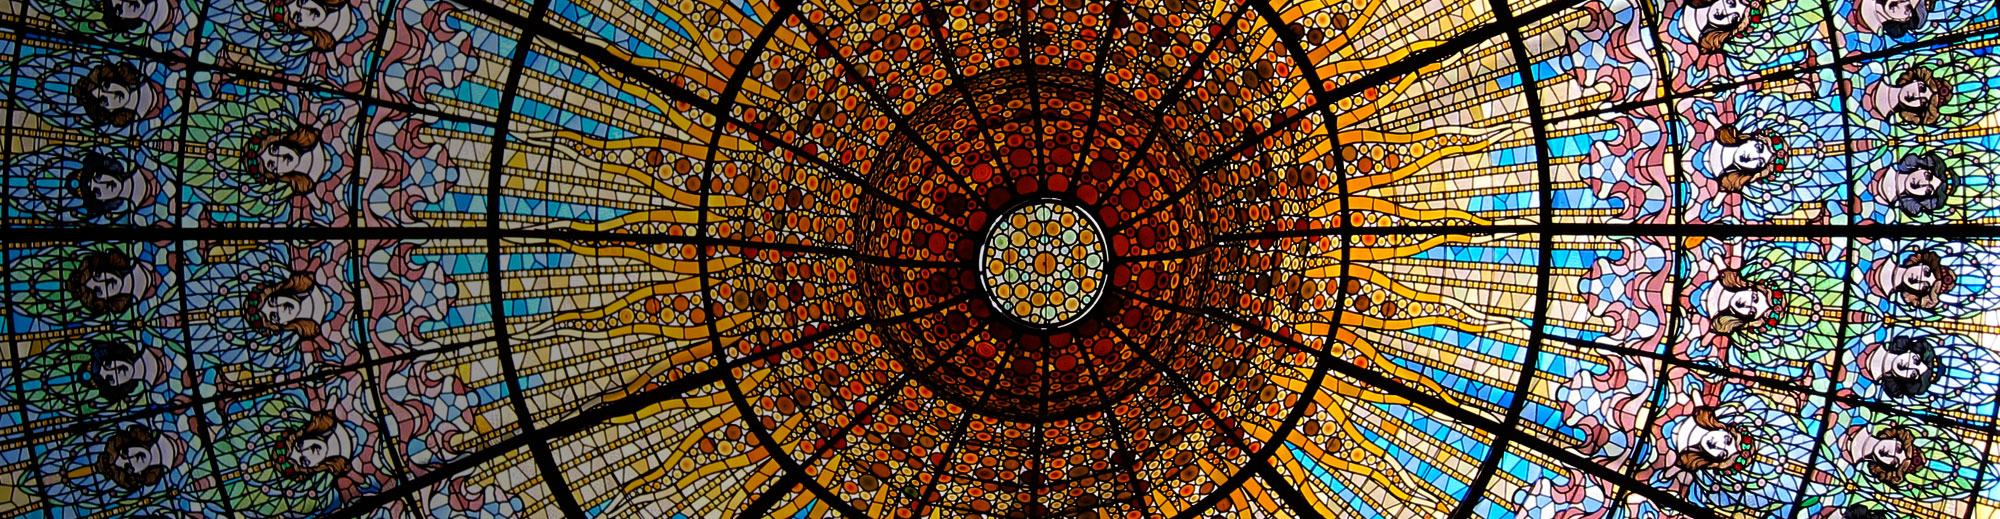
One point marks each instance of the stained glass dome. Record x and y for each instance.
(1452, 259)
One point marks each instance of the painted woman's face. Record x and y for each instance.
(1918, 279)
(137, 459)
(115, 96)
(1724, 15)
(285, 309)
(310, 14)
(281, 160)
(1916, 95)
(106, 187)
(311, 452)
(1920, 183)
(116, 372)
(1748, 303)
(106, 285)
(1716, 443)
(1889, 452)
(1907, 364)
(1750, 156)
(1900, 10)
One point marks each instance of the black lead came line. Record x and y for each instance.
(1620, 229)
(1424, 400)
(144, 234)
(628, 406)
(1420, 399)
(1411, 64)
(709, 377)
(536, 440)
(1482, 480)
(203, 234)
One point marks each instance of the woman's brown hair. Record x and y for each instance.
(1940, 94)
(1944, 280)
(1727, 323)
(1711, 40)
(105, 262)
(1913, 459)
(320, 425)
(1734, 180)
(298, 285)
(108, 15)
(100, 76)
(134, 437)
(303, 140)
(322, 41)
(1697, 459)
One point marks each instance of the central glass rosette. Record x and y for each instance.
(1043, 263)
(1035, 247)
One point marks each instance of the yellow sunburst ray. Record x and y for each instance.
(1363, 64)
(677, 266)
(1298, 94)
(688, 126)
(1366, 351)
(637, 381)
(1369, 253)
(876, 501)
(1256, 492)
(835, 6)
(690, 148)
(705, 48)
(795, 506)
(1383, 98)
(1366, 136)
(714, 57)
(692, 41)
(1320, 149)
(684, 445)
(726, 501)
(665, 216)
(756, 87)
(1398, 288)
(1339, 386)
(1359, 254)
(1381, 137)
(831, 470)
(1363, 183)
(1392, 482)
(727, 413)
(683, 286)
(646, 178)
(732, 463)
(693, 402)
(1337, 414)
(689, 332)
(1364, 203)
(1412, 323)
(1362, 18)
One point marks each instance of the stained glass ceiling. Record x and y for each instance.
(1552, 259)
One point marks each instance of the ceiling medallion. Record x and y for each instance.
(1042, 263)
(1056, 219)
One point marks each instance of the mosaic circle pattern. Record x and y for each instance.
(1043, 263)
(1112, 240)
(1578, 259)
